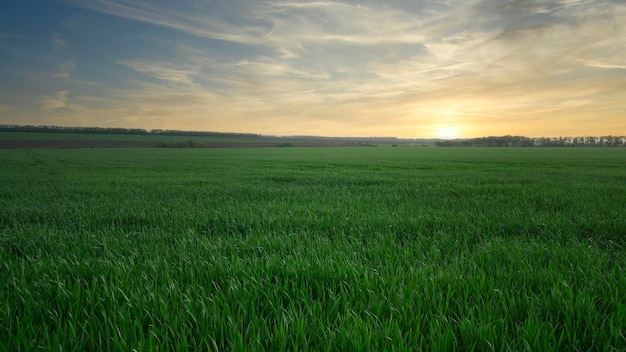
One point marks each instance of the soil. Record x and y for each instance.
(73, 144)
(130, 144)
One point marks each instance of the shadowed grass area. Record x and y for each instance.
(322, 249)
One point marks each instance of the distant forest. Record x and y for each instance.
(520, 141)
(119, 130)
(492, 141)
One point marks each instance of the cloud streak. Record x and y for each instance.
(64, 69)
(183, 16)
(54, 102)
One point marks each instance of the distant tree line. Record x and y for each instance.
(119, 130)
(60, 129)
(521, 141)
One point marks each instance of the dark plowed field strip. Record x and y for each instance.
(143, 144)
(75, 144)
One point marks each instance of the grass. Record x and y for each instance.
(313, 249)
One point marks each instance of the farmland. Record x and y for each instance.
(313, 249)
(11, 139)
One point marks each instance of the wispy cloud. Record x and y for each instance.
(64, 69)
(58, 44)
(326, 21)
(599, 64)
(165, 71)
(54, 102)
(185, 16)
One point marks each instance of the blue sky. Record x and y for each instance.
(337, 68)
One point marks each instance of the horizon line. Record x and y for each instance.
(154, 131)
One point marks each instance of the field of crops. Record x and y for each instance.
(313, 249)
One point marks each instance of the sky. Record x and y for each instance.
(409, 69)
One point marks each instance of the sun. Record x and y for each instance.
(447, 132)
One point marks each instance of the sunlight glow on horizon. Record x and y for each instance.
(447, 132)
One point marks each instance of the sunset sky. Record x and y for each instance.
(455, 68)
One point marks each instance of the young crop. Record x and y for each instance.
(313, 249)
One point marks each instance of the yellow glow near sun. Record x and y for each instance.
(447, 132)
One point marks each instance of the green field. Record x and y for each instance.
(373, 249)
